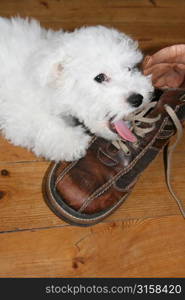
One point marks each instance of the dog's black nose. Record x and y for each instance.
(135, 100)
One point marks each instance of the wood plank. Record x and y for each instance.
(117, 15)
(11, 153)
(87, 11)
(159, 23)
(22, 205)
(42, 7)
(138, 248)
(157, 26)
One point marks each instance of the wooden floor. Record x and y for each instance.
(146, 236)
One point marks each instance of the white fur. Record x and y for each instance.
(46, 77)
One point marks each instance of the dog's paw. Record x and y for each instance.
(77, 148)
(69, 144)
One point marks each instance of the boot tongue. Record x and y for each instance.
(123, 130)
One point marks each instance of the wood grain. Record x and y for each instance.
(124, 249)
(10, 153)
(145, 237)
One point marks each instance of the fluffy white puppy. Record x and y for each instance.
(55, 85)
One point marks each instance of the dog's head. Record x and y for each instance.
(97, 79)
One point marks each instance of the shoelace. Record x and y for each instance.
(136, 118)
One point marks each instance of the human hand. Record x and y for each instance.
(167, 67)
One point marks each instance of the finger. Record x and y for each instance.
(175, 53)
(146, 62)
(173, 78)
(157, 70)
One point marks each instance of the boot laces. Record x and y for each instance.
(139, 116)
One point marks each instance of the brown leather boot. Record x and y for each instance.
(86, 191)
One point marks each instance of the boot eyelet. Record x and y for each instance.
(128, 153)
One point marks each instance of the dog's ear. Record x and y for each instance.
(55, 75)
(48, 65)
(57, 70)
(51, 73)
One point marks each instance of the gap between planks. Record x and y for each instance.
(105, 222)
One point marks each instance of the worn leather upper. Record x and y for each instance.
(98, 181)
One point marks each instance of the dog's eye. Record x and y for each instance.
(100, 78)
(129, 69)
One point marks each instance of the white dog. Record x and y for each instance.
(55, 85)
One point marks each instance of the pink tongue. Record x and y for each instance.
(124, 131)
